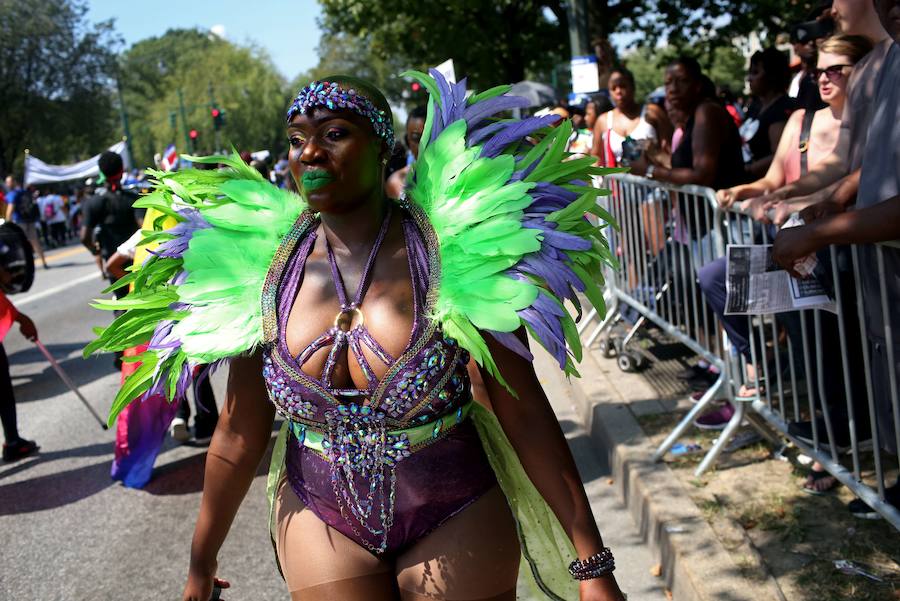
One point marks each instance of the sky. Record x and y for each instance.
(286, 30)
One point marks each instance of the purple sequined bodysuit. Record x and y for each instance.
(388, 464)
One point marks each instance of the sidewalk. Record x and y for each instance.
(743, 531)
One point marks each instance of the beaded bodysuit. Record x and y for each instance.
(387, 464)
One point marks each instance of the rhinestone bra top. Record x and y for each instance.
(427, 381)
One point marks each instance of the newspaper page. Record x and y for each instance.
(755, 284)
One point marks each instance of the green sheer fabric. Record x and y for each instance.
(546, 549)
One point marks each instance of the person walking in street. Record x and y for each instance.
(109, 218)
(23, 210)
(385, 461)
(14, 446)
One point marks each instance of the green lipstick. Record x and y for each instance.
(315, 179)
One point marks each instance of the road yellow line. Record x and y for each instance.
(65, 253)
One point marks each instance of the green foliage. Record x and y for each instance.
(240, 80)
(707, 24)
(490, 42)
(54, 82)
(725, 65)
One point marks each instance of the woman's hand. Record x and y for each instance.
(201, 581)
(726, 197)
(757, 207)
(27, 327)
(601, 589)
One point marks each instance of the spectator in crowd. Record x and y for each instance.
(804, 36)
(627, 120)
(836, 178)
(581, 140)
(22, 209)
(808, 138)
(768, 77)
(708, 151)
(731, 105)
(876, 217)
(14, 446)
(415, 126)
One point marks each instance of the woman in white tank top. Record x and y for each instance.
(627, 119)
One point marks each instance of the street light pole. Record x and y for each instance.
(123, 112)
(187, 138)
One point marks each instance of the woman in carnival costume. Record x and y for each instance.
(356, 316)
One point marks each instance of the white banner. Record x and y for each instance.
(39, 172)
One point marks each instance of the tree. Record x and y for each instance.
(489, 42)
(206, 70)
(707, 24)
(55, 93)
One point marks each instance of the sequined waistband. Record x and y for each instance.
(361, 428)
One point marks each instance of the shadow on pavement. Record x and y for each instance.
(54, 490)
(47, 383)
(93, 450)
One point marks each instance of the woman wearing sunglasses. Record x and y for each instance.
(815, 138)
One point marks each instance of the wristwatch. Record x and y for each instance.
(649, 173)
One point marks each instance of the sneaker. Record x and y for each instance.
(803, 431)
(19, 449)
(860, 509)
(693, 372)
(179, 430)
(715, 420)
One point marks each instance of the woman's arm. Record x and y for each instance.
(598, 149)
(238, 445)
(774, 177)
(706, 144)
(534, 432)
(660, 121)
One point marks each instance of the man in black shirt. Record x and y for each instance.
(109, 218)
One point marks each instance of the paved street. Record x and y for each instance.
(69, 533)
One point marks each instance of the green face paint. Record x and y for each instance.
(315, 179)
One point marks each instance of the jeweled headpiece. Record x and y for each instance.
(334, 97)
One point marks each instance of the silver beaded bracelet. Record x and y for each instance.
(595, 566)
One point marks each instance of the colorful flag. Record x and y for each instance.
(169, 158)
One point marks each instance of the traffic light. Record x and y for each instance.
(193, 134)
(218, 117)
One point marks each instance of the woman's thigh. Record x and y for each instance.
(473, 556)
(321, 564)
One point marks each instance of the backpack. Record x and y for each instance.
(26, 208)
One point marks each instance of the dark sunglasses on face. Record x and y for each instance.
(833, 73)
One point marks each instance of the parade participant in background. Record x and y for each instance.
(22, 210)
(108, 217)
(628, 120)
(384, 463)
(16, 275)
(53, 214)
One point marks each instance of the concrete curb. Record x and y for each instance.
(696, 565)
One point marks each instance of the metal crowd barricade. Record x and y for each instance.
(810, 369)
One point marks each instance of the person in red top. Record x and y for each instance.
(15, 447)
